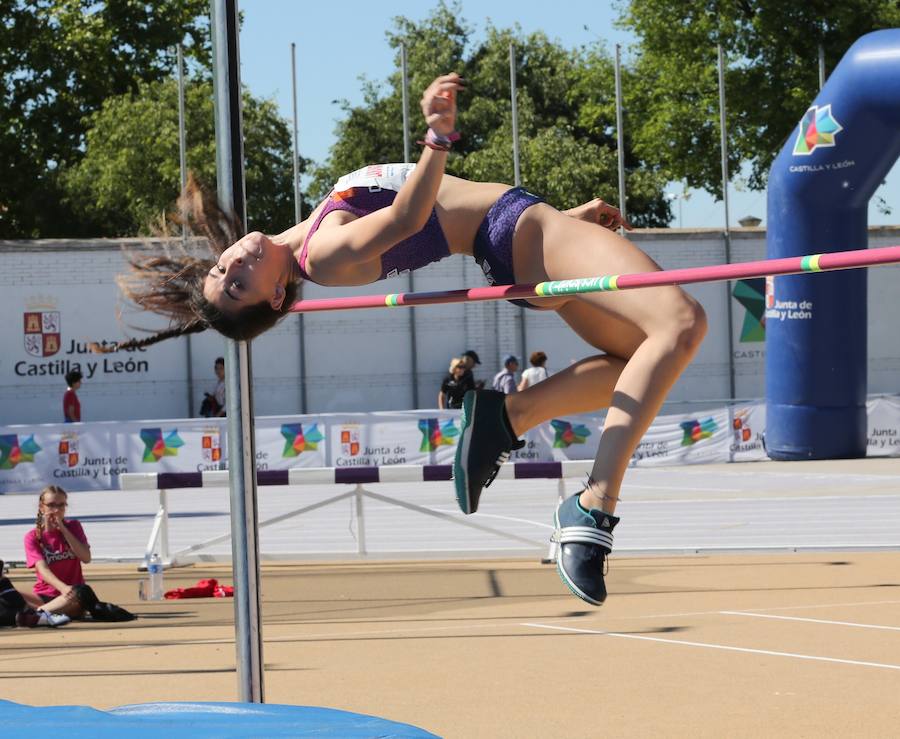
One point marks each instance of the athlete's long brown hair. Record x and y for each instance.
(171, 283)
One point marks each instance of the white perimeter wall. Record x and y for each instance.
(357, 360)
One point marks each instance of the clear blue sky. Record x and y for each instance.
(337, 44)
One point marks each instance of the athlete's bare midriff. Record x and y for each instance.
(461, 207)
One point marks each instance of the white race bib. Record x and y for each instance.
(376, 177)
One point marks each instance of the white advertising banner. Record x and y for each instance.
(91, 456)
(283, 442)
(884, 426)
(378, 439)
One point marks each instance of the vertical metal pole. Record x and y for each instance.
(404, 91)
(164, 528)
(620, 134)
(410, 279)
(298, 216)
(517, 175)
(724, 136)
(821, 66)
(182, 158)
(359, 494)
(241, 451)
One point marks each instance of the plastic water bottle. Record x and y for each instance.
(155, 570)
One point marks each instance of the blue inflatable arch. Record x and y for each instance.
(819, 190)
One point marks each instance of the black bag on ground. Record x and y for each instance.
(97, 609)
(85, 596)
(11, 601)
(110, 612)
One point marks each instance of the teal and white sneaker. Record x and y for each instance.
(485, 441)
(585, 540)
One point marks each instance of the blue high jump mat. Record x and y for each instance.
(194, 720)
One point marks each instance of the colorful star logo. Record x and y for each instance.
(297, 441)
(12, 452)
(437, 433)
(157, 446)
(695, 430)
(817, 129)
(752, 295)
(566, 434)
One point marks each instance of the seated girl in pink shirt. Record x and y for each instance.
(55, 548)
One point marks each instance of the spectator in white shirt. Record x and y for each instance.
(536, 372)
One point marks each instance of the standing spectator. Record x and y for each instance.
(71, 404)
(213, 405)
(505, 379)
(219, 392)
(453, 388)
(536, 372)
(471, 359)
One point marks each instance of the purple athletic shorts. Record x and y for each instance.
(494, 240)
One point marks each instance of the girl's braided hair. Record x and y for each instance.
(171, 284)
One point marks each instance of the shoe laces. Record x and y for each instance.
(502, 459)
(504, 456)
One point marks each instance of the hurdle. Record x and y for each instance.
(164, 482)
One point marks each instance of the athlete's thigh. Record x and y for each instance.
(553, 246)
(601, 329)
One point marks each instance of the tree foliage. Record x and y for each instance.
(566, 115)
(59, 61)
(130, 172)
(771, 50)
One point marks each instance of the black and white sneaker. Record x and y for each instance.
(585, 541)
(485, 442)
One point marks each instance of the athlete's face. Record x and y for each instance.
(251, 271)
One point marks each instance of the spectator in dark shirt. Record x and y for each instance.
(71, 404)
(471, 359)
(453, 388)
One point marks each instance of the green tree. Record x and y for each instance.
(771, 49)
(130, 172)
(566, 110)
(59, 61)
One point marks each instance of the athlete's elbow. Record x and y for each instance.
(408, 222)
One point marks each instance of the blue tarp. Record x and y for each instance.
(193, 720)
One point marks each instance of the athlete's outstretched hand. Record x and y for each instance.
(604, 214)
(439, 103)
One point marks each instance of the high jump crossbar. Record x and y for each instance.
(809, 264)
(164, 482)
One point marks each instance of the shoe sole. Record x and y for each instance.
(460, 479)
(576, 591)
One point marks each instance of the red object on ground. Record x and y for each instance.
(203, 589)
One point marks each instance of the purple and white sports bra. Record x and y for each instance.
(372, 188)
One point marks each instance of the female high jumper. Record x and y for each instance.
(387, 219)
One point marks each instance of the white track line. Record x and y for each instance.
(762, 498)
(811, 620)
(826, 605)
(724, 647)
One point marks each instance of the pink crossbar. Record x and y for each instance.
(765, 267)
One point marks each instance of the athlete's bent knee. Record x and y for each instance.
(687, 327)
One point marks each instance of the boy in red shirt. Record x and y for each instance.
(71, 404)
